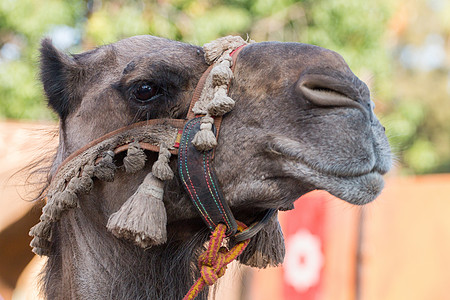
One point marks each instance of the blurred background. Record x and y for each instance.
(395, 248)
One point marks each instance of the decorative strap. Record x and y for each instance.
(197, 92)
(177, 123)
(214, 261)
(200, 182)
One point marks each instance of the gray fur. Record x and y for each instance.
(266, 249)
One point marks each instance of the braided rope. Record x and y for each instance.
(213, 262)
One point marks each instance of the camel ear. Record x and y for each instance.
(60, 74)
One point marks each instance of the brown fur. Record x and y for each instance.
(277, 144)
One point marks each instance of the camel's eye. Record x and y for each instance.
(145, 92)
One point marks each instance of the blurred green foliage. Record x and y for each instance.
(368, 34)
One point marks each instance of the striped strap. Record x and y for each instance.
(200, 182)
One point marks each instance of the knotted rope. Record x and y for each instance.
(213, 262)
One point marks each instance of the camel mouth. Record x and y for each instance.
(356, 186)
(357, 190)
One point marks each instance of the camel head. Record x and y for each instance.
(302, 121)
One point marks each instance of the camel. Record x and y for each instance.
(300, 120)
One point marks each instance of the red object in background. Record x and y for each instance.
(304, 232)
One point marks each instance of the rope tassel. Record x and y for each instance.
(41, 229)
(221, 103)
(74, 178)
(41, 233)
(215, 49)
(161, 168)
(40, 246)
(213, 100)
(142, 218)
(84, 184)
(222, 74)
(135, 159)
(205, 139)
(105, 169)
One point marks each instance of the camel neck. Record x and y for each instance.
(88, 263)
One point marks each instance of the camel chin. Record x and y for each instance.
(357, 190)
(357, 185)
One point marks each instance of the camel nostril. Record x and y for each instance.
(323, 90)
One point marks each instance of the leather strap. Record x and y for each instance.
(234, 56)
(177, 123)
(198, 92)
(195, 168)
(199, 181)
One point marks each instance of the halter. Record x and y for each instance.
(198, 176)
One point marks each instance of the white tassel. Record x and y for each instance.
(142, 219)
(135, 159)
(161, 168)
(42, 230)
(215, 49)
(52, 210)
(40, 246)
(221, 103)
(205, 139)
(222, 74)
(105, 169)
(85, 183)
